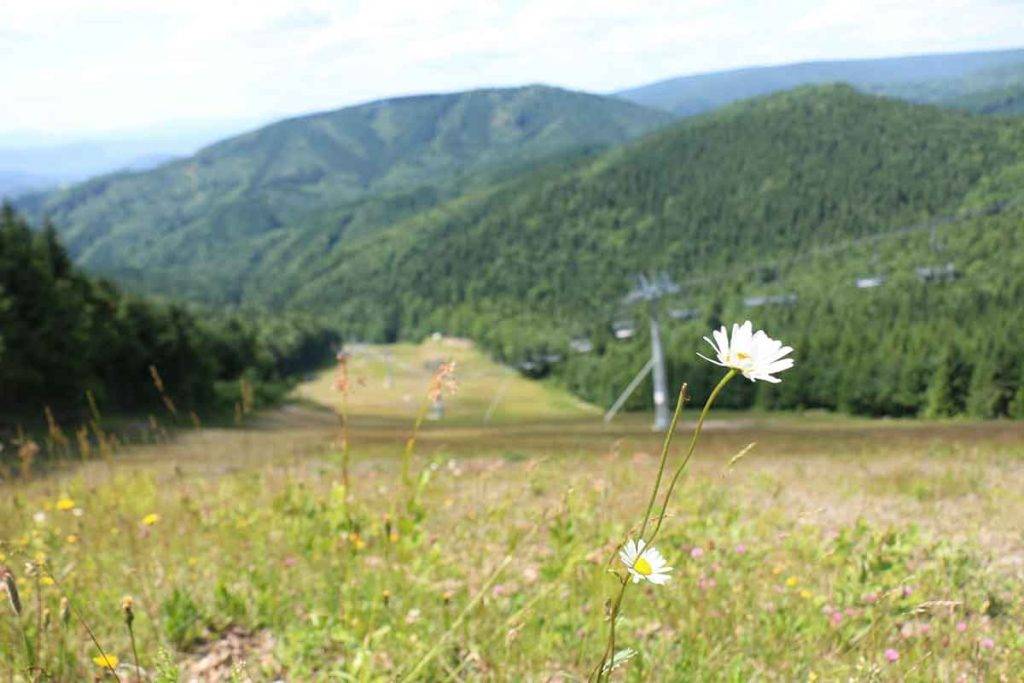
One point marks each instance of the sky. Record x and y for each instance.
(89, 67)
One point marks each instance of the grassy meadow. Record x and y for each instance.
(835, 549)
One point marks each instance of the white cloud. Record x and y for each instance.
(87, 65)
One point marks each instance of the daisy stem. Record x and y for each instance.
(609, 650)
(664, 457)
(689, 453)
(613, 615)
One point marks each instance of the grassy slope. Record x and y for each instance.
(906, 529)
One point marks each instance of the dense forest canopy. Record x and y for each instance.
(536, 262)
(348, 172)
(63, 334)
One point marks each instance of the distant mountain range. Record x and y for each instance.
(36, 162)
(985, 82)
(344, 173)
(517, 217)
(989, 82)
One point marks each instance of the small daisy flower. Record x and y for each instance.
(644, 563)
(754, 354)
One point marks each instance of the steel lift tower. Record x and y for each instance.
(648, 293)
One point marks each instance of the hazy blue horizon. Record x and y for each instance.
(80, 69)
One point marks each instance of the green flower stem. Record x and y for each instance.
(689, 453)
(664, 457)
(609, 650)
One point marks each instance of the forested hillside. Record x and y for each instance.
(341, 173)
(63, 334)
(732, 204)
(978, 81)
(996, 90)
(539, 261)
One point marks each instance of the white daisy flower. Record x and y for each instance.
(643, 563)
(754, 354)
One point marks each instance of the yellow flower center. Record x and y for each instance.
(742, 356)
(642, 566)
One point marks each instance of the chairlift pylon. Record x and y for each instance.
(936, 273)
(876, 277)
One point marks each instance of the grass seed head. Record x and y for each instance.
(65, 611)
(126, 606)
(341, 382)
(10, 587)
(443, 381)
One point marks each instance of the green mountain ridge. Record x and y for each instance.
(808, 166)
(349, 171)
(528, 266)
(731, 203)
(983, 82)
(995, 91)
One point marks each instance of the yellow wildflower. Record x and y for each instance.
(356, 540)
(106, 661)
(65, 504)
(792, 581)
(151, 519)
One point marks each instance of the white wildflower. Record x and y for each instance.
(754, 354)
(644, 563)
